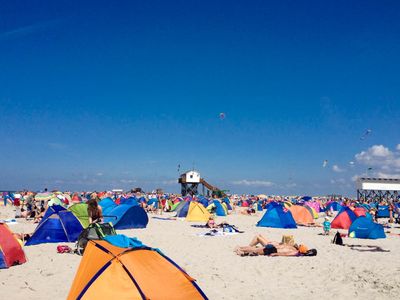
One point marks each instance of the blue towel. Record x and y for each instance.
(121, 240)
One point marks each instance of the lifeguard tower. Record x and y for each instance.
(190, 182)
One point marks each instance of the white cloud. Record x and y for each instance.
(254, 183)
(99, 174)
(398, 147)
(337, 169)
(386, 175)
(379, 156)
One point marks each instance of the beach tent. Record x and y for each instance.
(80, 210)
(383, 211)
(278, 217)
(364, 228)
(219, 209)
(107, 204)
(11, 252)
(343, 219)
(203, 201)
(110, 272)
(183, 209)
(312, 211)
(227, 202)
(287, 204)
(306, 198)
(360, 211)
(197, 213)
(314, 205)
(57, 225)
(245, 203)
(301, 214)
(126, 216)
(129, 201)
(334, 205)
(176, 205)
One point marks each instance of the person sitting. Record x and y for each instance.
(272, 248)
(95, 212)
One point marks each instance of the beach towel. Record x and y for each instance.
(216, 233)
(164, 219)
(123, 241)
(9, 221)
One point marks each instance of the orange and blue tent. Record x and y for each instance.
(139, 272)
(11, 252)
(301, 215)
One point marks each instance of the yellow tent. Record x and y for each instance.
(197, 213)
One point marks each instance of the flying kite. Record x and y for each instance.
(366, 134)
(222, 116)
(325, 163)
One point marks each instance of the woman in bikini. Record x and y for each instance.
(270, 248)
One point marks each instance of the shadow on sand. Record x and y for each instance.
(367, 248)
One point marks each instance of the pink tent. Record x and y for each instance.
(314, 205)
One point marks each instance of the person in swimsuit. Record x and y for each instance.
(269, 248)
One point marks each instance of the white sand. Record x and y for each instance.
(336, 272)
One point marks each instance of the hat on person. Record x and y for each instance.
(303, 249)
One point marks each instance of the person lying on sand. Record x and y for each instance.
(248, 212)
(272, 248)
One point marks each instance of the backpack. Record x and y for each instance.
(95, 231)
(337, 239)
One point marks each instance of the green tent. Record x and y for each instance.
(55, 201)
(80, 210)
(175, 206)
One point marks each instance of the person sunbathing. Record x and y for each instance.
(272, 248)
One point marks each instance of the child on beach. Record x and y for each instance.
(327, 226)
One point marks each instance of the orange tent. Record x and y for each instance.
(301, 214)
(110, 272)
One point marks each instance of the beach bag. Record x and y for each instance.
(64, 249)
(95, 231)
(288, 240)
(337, 239)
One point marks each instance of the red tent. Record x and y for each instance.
(11, 252)
(360, 211)
(344, 219)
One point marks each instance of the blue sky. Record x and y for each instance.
(100, 95)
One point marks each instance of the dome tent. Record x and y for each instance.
(364, 228)
(277, 217)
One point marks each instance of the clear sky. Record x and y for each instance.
(117, 94)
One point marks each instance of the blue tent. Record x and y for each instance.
(383, 211)
(129, 201)
(57, 225)
(183, 209)
(306, 198)
(107, 204)
(364, 228)
(335, 206)
(126, 216)
(219, 209)
(277, 217)
(226, 201)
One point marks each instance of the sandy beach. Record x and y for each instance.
(336, 272)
